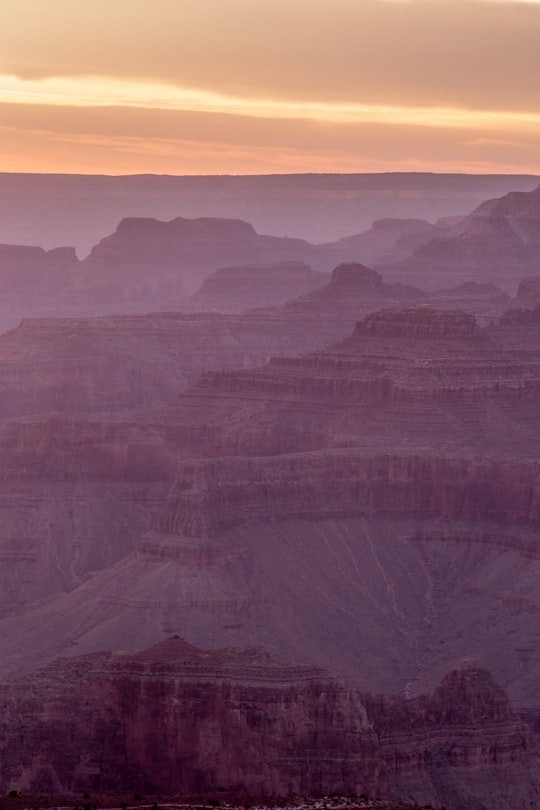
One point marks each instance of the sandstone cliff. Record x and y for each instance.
(235, 289)
(408, 380)
(28, 275)
(388, 239)
(387, 489)
(176, 719)
(119, 363)
(497, 243)
(147, 263)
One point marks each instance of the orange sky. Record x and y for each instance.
(257, 86)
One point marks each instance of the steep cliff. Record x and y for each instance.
(235, 289)
(387, 239)
(129, 362)
(409, 380)
(497, 243)
(30, 275)
(125, 363)
(383, 491)
(147, 263)
(451, 745)
(176, 719)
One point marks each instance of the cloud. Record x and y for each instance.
(128, 140)
(102, 92)
(449, 53)
(270, 85)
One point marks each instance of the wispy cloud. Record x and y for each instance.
(356, 82)
(102, 92)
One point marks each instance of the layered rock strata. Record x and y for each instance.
(497, 243)
(176, 719)
(129, 362)
(370, 471)
(28, 275)
(147, 263)
(235, 289)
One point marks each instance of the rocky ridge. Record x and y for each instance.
(497, 243)
(235, 289)
(128, 362)
(30, 274)
(178, 719)
(323, 461)
(147, 263)
(388, 239)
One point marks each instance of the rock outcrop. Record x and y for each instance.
(129, 362)
(147, 263)
(124, 363)
(176, 719)
(388, 239)
(28, 275)
(235, 289)
(50, 210)
(442, 749)
(497, 243)
(380, 492)
(409, 380)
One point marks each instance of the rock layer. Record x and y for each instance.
(497, 243)
(364, 473)
(120, 363)
(235, 289)
(175, 719)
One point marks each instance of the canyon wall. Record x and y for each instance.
(176, 719)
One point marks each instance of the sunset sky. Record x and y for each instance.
(260, 86)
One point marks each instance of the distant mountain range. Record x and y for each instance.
(51, 210)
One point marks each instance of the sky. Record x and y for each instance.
(269, 86)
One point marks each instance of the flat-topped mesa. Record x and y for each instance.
(142, 228)
(28, 275)
(420, 321)
(250, 286)
(353, 275)
(232, 718)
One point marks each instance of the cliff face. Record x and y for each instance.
(235, 289)
(408, 381)
(128, 362)
(413, 376)
(147, 263)
(387, 239)
(382, 491)
(30, 274)
(496, 243)
(450, 746)
(125, 363)
(175, 719)
(210, 496)
(64, 518)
